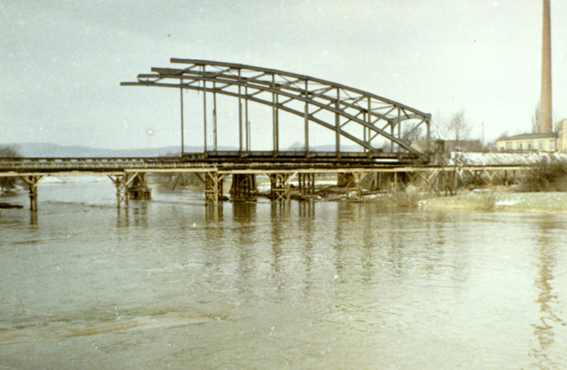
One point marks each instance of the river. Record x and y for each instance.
(174, 284)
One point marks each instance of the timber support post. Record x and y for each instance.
(33, 182)
(345, 179)
(306, 185)
(121, 182)
(357, 184)
(373, 183)
(395, 182)
(351, 180)
(448, 182)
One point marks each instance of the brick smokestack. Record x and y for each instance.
(546, 124)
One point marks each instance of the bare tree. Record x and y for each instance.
(8, 183)
(439, 127)
(412, 132)
(458, 127)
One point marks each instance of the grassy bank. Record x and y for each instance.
(541, 202)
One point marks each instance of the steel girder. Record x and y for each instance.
(281, 90)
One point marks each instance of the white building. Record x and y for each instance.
(540, 142)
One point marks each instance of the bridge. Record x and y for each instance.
(356, 118)
(368, 136)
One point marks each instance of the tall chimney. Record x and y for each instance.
(545, 99)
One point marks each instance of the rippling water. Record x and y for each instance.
(174, 284)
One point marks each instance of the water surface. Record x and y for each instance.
(174, 284)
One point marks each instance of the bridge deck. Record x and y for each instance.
(225, 161)
(222, 162)
(129, 174)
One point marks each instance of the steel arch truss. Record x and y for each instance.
(357, 115)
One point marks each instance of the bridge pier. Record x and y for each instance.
(445, 181)
(213, 187)
(33, 182)
(306, 185)
(351, 180)
(121, 182)
(139, 189)
(243, 187)
(280, 187)
(357, 184)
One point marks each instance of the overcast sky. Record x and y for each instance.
(62, 61)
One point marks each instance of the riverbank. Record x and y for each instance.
(540, 202)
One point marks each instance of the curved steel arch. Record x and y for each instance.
(350, 107)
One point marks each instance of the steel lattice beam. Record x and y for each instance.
(280, 90)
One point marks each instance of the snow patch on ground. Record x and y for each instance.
(506, 203)
(74, 179)
(511, 159)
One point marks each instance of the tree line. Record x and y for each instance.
(455, 128)
(8, 151)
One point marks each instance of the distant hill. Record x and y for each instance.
(46, 150)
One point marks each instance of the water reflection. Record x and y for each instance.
(306, 223)
(122, 217)
(136, 215)
(34, 218)
(244, 212)
(397, 236)
(244, 219)
(547, 301)
(279, 213)
(214, 212)
(306, 208)
(329, 284)
(280, 209)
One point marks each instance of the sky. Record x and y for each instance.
(61, 62)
